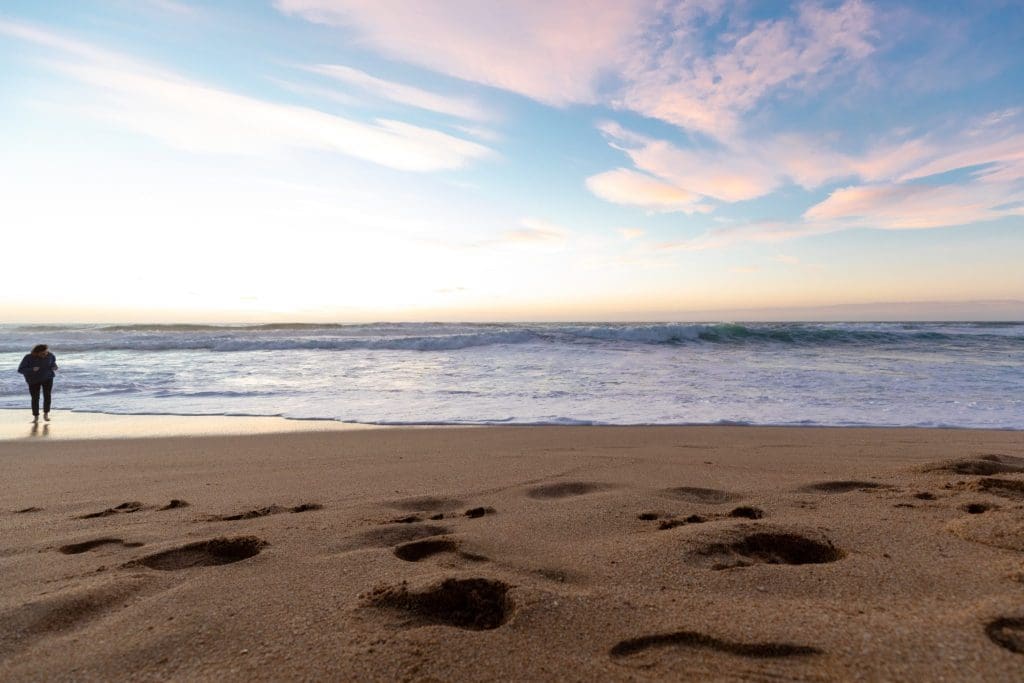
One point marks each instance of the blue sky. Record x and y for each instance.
(343, 160)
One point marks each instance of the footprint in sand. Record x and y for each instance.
(757, 545)
(476, 604)
(980, 465)
(392, 535)
(203, 554)
(566, 489)
(23, 511)
(425, 504)
(694, 639)
(840, 486)
(992, 527)
(693, 494)
(27, 624)
(415, 551)
(747, 512)
(175, 504)
(122, 509)
(1006, 488)
(1007, 632)
(85, 546)
(265, 512)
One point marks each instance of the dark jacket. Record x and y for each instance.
(36, 369)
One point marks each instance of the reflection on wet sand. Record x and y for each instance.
(35, 430)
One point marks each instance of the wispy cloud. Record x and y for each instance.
(625, 186)
(401, 93)
(674, 78)
(910, 207)
(201, 118)
(536, 231)
(553, 52)
(990, 152)
(642, 56)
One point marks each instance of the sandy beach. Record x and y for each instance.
(531, 553)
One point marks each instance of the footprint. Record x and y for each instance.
(673, 523)
(203, 554)
(1007, 488)
(26, 510)
(473, 513)
(770, 547)
(566, 489)
(996, 528)
(925, 495)
(123, 508)
(1007, 632)
(976, 508)
(981, 465)
(698, 495)
(85, 546)
(476, 604)
(174, 504)
(392, 535)
(408, 519)
(264, 512)
(424, 503)
(747, 512)
(62, 612)
(415, 551)
(695, 639)
(839, 486)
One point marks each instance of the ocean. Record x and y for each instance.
(881, 374)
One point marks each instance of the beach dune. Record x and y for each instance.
(526, 553)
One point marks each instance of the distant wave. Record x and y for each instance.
(453, 337)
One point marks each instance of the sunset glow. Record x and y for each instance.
(335, 160)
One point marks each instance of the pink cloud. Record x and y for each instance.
(910, 207)
(625, 186)
(744, 169)
(553, 52)
(559, 52)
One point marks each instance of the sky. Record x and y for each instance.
(353, 160)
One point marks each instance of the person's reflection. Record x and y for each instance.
(35, 430)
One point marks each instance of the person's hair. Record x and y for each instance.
(39, 349)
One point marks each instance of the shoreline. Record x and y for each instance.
(16, 424)
(631, 553)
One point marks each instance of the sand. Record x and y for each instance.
(534, 553)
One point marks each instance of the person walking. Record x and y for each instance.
(39, 369)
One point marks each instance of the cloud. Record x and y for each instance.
(459, 107)
(644, 56)
(674, 79)
(197, 117)
(912, 207)
(624, 186)
(534, 231)
(754, 231)
(631, 233)
(553, 52)
(721, 173)
(992, 151)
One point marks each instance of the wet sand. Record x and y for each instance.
(532, 553)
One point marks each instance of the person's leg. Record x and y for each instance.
(33, 389)
(47, 395)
